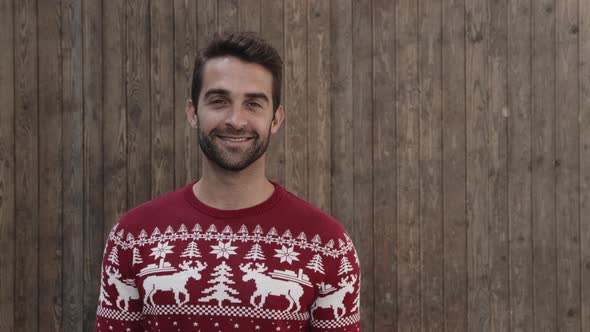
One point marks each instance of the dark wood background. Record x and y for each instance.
(450, 137)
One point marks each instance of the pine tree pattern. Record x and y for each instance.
(301, 242)
(255, 253)
(345, 266)
(295, 264)
(191, 250)
(221, 290)
(316, 264)
(114, 257)
(136, 257)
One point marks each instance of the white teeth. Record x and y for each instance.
(235, 139)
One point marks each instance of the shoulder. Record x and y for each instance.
(312, 217)
(149, 212)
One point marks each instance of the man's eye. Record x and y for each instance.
(217, 101)
(253, 104)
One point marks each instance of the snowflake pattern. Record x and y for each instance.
(161, 250)
(301, 242)
(287, 254)
(223, 249)
(305, 252)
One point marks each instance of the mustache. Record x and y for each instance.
(230, 132)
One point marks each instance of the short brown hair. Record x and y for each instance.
(246, 46)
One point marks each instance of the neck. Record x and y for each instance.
(226, 190)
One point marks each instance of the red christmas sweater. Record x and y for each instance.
(176, 264)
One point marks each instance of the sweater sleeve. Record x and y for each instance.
(336, 308)
(119, 303)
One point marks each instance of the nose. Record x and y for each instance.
(236, 117)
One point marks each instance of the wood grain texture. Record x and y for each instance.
(450, 138)
(497, 146)
(584, 146)
(272, 27)
(519, 165)
(7, 167)
(567, 165)
(139, 171)
(73, 165)
(207, 26)
(431, 190)
(162, 96)
(408, 167)
(26, 135)
(318, 104)
(185, 49)
(543, 156)
(342, 113)
(114, 85)
(454, 177)
(249, 15)
(228, 14)
(296, 123)
(50, 165)
(477, 161)
(362, 131)
(384, 168)
(93, 156)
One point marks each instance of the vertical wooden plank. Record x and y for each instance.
(296, 123)
(408, 154)
(477, 134)
(567, 166)
(249, 15)
(362, 110)
(162, 95)
(185, 48)
(584, 109)
(94, 225)
(318, 103)
(543, 154)
(497, 192)
(342, 116)
(50, 166)
(384, 167)
(454, 177)
(138, 102)
(519, 168)
(272, 30)
(27, 167)
(207, 25)
(114, 85)
(73, 182)
(228, 15)
(431, 199)
(7, 170)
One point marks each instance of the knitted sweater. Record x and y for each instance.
(176, 264)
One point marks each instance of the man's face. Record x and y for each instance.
(235, 113)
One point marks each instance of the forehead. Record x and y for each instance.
(236, 76)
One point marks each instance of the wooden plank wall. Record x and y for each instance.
(451, 138)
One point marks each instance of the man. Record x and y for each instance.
(231, 251)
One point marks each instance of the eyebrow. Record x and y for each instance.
(224, 92)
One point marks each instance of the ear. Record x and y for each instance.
(191, 115)
(277, 121)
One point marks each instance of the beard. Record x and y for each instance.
(229, 158)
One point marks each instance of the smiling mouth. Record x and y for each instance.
(235, 139)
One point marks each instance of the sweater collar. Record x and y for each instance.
(239, 213)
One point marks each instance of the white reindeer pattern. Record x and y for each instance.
(125, 292)
(335, 300)
(266, 285)
(174, 282)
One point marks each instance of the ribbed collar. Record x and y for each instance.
(268, 204)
